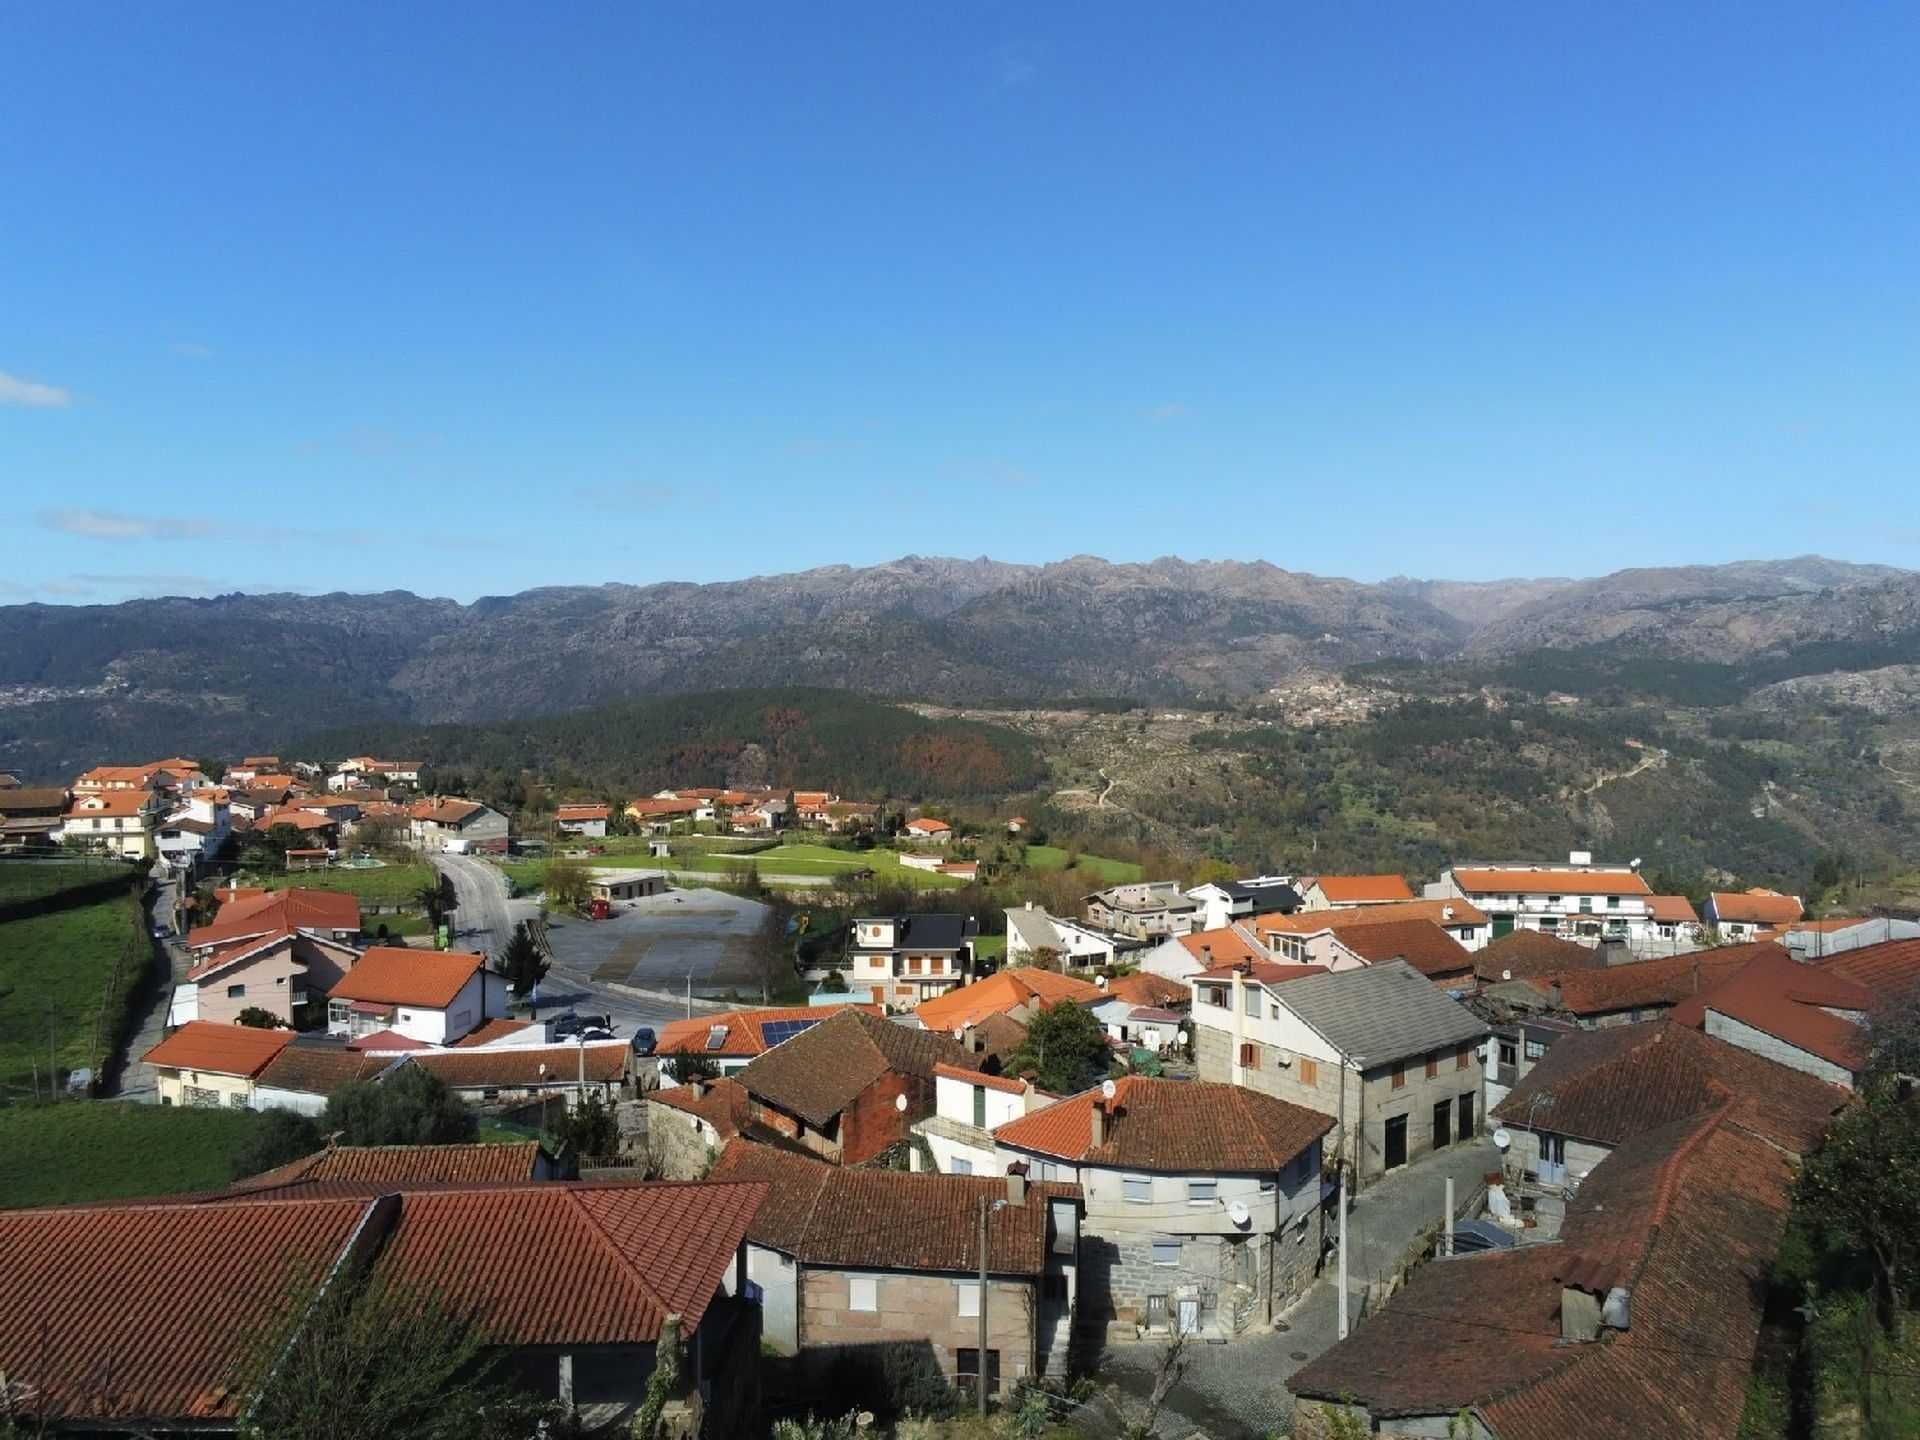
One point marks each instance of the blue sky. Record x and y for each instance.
(469, 299)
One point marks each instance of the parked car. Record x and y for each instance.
(596, 1022)
(566, 1025)
(597, 1032)
(644, 1040)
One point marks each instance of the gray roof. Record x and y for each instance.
(1383, 1012)
(1035, 927)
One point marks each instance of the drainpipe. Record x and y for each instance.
(1236, 996)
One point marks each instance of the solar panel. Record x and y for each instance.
(716, 1036)
(775, 1031)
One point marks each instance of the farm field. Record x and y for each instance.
(98, 1150)
(1108, 872)
(31, 879)
(54, 974)
(389, 885)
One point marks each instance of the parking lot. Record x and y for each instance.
(698, 938)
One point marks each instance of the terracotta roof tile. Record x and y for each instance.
(721, 1103)
(1141, 988)
(519, 1066)
(1672, 910)
(746, 1030)
(490, 1031)
(1005, 990)
(581, 812)
(1223, 946)
(1782, 997)
(1181, 1126)
(398, 1166)
(1609, 1085)
(1645, 983)
(819, 1072)
(1759, 907)
(1549, 880)
(1267, 972)
(320, 1069)
(261, 912)
(1886, 969)
(1457, 913)
(222, 1049)
(874, 1219)
(1364, 889)
(1004, 1083)
(1421, 943)
(391, 975)
(1524, 954)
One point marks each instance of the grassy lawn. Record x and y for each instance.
(1109, 872)
(31, 879)
(98, 1150)
(409, 924)
(54, 971)
(389, 885)
(990, 947)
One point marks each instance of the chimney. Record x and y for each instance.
(1446, 912)
(699, 1087)
(1016, 1186)
(1097, 1125)
(970, 1038)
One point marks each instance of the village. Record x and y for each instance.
(1274, 1154)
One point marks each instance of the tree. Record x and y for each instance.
(771, 959)
(1065, 1049)
(589, 1130)
(367, 1358)
(437, 898)
(522, 961)
(568, 884)
(256, 1017)
(410, 1107)
(279, 1137)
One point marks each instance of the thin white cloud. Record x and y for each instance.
(1170, 410)
(191, 350)
(32, 394)
(116, 525)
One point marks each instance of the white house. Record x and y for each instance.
(1225, 901)
(1206, 1198)
(120, 820)
(1181, 957)
(1147, 1026)
(1747, 914)
(464, 827)
(1145, 909)
(433, 996)
(1031, 930)
(1577, 901)
(968, 1105)
(588, 820)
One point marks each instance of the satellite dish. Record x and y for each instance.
(1501, 1139)
(1239, 1214)
(1108, 1089)
(1100, 981)
(900, 1103)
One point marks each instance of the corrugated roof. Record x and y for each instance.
(1383, 1012)
(1175, 1126)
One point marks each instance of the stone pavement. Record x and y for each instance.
(1238, 1388)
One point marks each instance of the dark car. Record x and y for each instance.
(644, 1040)
(567, 1024)
(595, 1022)
(1475, 1235)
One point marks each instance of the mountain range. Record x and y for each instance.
(79, 684)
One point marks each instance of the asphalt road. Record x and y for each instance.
(170, 961)
(484, 917)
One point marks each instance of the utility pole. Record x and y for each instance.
(1343, 1250)
(1446, 1222)
(980, 1380)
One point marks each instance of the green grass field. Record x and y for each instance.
(389, 885)
(990, 947)
(1108, 872)
(54, 973)
(98, 1150)
(31, 879)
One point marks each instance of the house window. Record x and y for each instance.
(967, 1292)
(1509, 1055)
(979, 1107)
(913, 965)
(969, 1368)
(863, 1293)
(1309, 1071)
(1249, 1055)
(1586, 904)
(1433, 1065)
(1202, 1192)
(1166, 1252)
(1136, 1189)
(1399, 1074)
(962, 1167)
(1462, 1056)
(1213, 995)
(1552, 900)
(1251, 1002)
(1613, 902)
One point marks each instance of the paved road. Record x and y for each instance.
(132, 1080)
(1239, 1388)
(485, 917)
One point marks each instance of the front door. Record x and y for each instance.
(1396, 1142)
(1466, 1115)
(1552, 1166)
(1189, 1317)
(1443, 1125)
(1502, 925)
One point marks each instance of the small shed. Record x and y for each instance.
(628, 884)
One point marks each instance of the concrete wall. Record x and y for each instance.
(916, 1307)
(777, 1276)
(684, 1145)
(1735, 1032)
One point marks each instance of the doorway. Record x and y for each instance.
(1466, 1115)
(1443, 1124)
(1396, 1143)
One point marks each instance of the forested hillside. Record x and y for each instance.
(815, 738)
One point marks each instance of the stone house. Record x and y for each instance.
(521, 1074)
(851, 1086)
(1203, 1202)
(689, 1125)
(849, 1265)
(1396, 1063)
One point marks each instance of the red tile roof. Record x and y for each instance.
(1547, 880)
(392, 975)
(1650, 983)
(1001, 992)
(1524, 954)
(1609, 1085)
(1223, 946)
(1364, 889)
(1885, 969)
(821, 1071)
(444, 812)
(261, 912)
(1672, 910)
(1176, 1126)
(110, 803)
(1687, 1217)
(825, 1215)
(745, 1029)
(1267, 972)
(1454, 913)
(923, 825)
(581, 812)
(490, 1031)
(1758, 907)
(222, 1049)
(575, 1264)
(1782, 997)
(1421, 943)
(140, 1312)
(1004, 1083)
(1141, 988)
(386, 1042)
(721, 1103)
(320, 1069)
